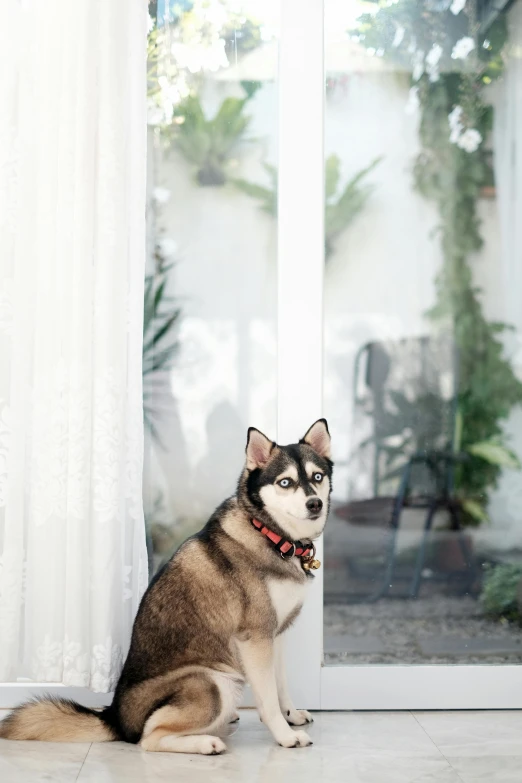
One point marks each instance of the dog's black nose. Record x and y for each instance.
(314, 505)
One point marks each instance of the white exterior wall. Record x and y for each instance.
(378, 284)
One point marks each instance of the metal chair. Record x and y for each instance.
(405, 398)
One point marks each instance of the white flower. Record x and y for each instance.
(432, 62)
(155, 116)
(434, 54)
(455, 134)
(457, 6)
(399, 35)
(150, 23)
(167, 247)
(454, 116)
(161, 195)
(412, 106)
(455, 123)
(418, 66)
(200, 57)
(470, 140)
(462, 48)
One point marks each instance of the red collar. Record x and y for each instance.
(284, 547)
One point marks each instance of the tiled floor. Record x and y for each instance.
(400, 747)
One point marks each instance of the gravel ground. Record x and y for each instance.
(401, 625)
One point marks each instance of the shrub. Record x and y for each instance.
(499, 596)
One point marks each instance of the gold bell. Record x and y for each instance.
(310, 564)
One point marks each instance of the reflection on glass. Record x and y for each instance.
(209, 345)
(423, 360)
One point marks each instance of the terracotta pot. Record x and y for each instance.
(488, 191)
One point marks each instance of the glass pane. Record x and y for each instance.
(210, 292)
(423, 326)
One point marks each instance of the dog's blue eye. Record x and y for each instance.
(285, 483)
(318, 477)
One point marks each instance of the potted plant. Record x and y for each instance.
(208, 144)
(341, 205)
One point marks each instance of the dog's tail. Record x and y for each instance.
(58, 720)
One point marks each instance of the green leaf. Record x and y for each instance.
(457, 439)
(163, 359)
(475, 510)
(332, 173)
(148, 310)
(165, 327)
(159, 295)
(251, 87)
(495, 453)
(339, 214)
(267, 197)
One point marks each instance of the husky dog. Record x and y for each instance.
(214, 617)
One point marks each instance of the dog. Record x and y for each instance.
(214, 617)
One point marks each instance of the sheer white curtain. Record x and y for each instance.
(72, 211)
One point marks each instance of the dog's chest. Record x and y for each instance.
(287, 597)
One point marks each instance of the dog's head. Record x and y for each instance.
(288, 487)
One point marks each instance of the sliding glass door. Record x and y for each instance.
(334, 231)
(422, 582)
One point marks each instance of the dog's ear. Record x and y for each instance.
(258, 449)
(319, 439)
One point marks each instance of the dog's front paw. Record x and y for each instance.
(296, 739)
(298, 717)
(210, 746)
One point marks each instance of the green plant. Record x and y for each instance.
(500, 593)
(451, 169)
(160, 320)
(208, 144)
(267, 196)
(212, 36)
(340, 208)
(489, 453)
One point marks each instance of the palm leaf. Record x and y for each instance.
(338, 214)
(208, 143)
(332, 174)
(495, 453)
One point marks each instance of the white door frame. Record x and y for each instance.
(300, 265)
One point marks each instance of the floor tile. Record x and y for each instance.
(488, 769)
(249, 762)
(360, 747)
(35, 762)
(394, 733)
(438, 747)
(475, 733)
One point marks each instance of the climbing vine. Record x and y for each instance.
(451, 63)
